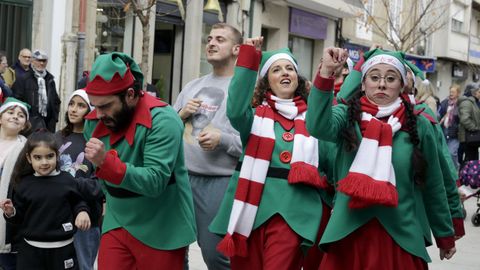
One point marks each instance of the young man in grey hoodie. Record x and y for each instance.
(212, 146)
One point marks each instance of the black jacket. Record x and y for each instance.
(46, 207)
(26, 89)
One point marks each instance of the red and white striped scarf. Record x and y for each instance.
(256, 162)
(371, 178)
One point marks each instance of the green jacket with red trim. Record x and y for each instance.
(144, 176)
(450, 177)
(325, 121)
(300, 205)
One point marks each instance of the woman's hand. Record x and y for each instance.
(7, 207)
(447, 253)
(82, 221)
(332, 59)
(255, 42)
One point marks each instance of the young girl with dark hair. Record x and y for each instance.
(46, 205)
(72, 160)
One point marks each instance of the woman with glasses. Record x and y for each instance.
(384, 158)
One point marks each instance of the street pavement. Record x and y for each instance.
(466, 258)
(468, 248)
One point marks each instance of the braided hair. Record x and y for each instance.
(354, 116)
(354, 113)
(419, 163)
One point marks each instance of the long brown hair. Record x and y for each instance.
(263, 86)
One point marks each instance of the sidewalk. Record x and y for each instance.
(466, 258)
(468, 248)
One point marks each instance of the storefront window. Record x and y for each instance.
(110, 28)
(302, 49)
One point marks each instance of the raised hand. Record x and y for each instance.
(332, 59)
(95, 151)
(255, 42)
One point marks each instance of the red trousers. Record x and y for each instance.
(272, 246)
(120, 250)
(370, 247)
(314, 255)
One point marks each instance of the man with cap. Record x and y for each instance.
(135, 143)
(38, 89)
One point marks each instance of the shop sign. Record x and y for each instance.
(355, 52)
(459, 71)
(424, 64)
(307, 24)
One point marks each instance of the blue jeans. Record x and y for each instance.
(453, 149)
(8, 261)
(86, 246)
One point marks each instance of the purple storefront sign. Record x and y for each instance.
(307, 24)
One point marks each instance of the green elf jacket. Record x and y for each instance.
(144, 177)
(300, 205)
(450, 177)
(449, 171)
(326, 122)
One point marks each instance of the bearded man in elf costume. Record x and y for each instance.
(449, 172)
(135, 142)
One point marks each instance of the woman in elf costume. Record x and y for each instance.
(273, 205)
(449, 172)
(386, 156)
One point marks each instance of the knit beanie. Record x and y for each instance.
(83, 94)
(12, 102)
(371, 58)
(113, 73)
(269, 57)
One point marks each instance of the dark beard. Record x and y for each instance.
(120, 120)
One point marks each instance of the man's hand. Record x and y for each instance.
(447, 253)
(82, 221)
(7, 207)
(190, 108)
(332, 59)
(209, 140)
(95, 151)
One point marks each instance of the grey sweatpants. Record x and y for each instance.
(208, 192)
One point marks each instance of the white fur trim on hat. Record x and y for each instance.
(11, 104)
(81, 93)
(385, 59)
(274, 58)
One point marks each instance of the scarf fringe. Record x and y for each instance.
(303, 173)
(366, 191)
(233, 245)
